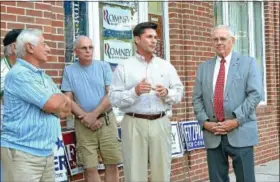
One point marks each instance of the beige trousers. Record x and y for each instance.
(146, 141)
(19, 166)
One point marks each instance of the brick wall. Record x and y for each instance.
(190, 45)
(47, 16)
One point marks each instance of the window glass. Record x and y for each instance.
(155, 14)
(238, 20)
(218, 13)
(76, 23)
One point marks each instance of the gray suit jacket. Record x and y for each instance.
(243, 93)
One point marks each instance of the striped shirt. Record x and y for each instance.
(5, 67)
(26, 126)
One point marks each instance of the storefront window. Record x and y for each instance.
(76, 23)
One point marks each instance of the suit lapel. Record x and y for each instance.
(231, 71)
(210, 76)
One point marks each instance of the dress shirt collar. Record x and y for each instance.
(142, 58)
(227, 58)
(28, 65)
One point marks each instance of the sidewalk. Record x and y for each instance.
(268, 172)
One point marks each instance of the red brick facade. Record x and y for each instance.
(47, 16)
(190, 26)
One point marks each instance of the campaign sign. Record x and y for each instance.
(116, 18)
(60, 161)
(117, 50)
(177, 150)
(117, 34)
(70, 150)
(193, 135)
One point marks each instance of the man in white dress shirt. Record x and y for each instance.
(144, 87)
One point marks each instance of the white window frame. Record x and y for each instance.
(225, 19)
(94, 25)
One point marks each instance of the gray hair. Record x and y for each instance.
(31, 36)
(77, 41)
(228, 28)
(8, 50)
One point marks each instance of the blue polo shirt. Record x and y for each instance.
(87, 83)
(26, 126)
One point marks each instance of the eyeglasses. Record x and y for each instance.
(85, 48)
(220, 39)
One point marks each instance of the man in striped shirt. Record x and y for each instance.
(33, 106)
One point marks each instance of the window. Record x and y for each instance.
(247, 21)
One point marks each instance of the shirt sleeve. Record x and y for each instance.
(27, 86)
(119, 96)
(175, 89)
(65, 85)
(4, 71)
(107, 74)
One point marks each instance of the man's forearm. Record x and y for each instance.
(76, 109)
(103, 106)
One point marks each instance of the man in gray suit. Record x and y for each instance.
(227, 91)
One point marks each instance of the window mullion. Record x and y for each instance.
(143, 11)
(166, 40)
(251, 29)
(94, 26)
(225, 13)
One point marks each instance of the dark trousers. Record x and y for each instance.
(242, 161)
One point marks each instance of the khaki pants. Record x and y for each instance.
(20, 166)
(146, 140)
(105, 140)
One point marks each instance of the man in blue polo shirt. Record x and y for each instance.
(33, 106)
(87, 83)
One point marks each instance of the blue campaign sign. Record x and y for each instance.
(117, 34)
(192, 134)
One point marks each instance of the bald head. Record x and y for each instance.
(78, 41)
(83, 49)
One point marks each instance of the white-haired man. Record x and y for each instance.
(227, 91)
(33, 106)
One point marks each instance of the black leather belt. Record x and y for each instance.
(145, 116)
(105, 113)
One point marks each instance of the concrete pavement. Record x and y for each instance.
(268, 172)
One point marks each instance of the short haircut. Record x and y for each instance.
(77, 41)
(228, 28)
(140, 28)
(31, 36)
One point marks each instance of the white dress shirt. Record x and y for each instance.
(217, 68)
(131, 71)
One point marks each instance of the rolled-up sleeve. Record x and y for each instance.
(175, 89)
